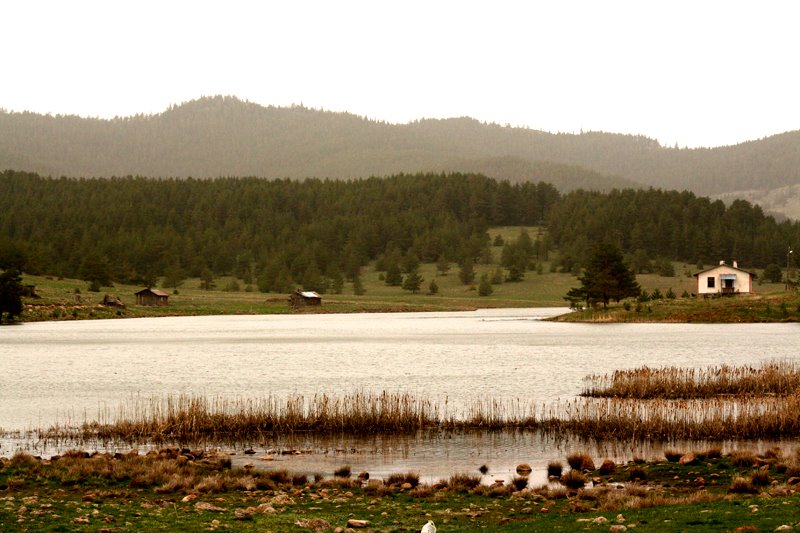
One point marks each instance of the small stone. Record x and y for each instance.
(314, 524)
(355, 523)
(784, 527)
(620, 519)
(205, 506)
(524, 469)
(687, 459)
(243, 514)
(266, 508)
(619, 528)
(406, 486)
(600, 520)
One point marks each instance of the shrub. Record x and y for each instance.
(656, 295)
(760, 477)
(463, 482)
(743, 458)
(607, 467)
(714, 452)
(637, 473)
(343, 471)
(742, 485)
(772, 273)
(580, 461)
(574, 479)
(673, 456)
(555, 468)
(422, 491)
(412, 478)
(519, 482)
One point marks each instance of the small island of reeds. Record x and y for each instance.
(725, 402)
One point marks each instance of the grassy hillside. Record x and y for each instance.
(224, 136)
(67, 299)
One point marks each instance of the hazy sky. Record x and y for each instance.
(696, 73)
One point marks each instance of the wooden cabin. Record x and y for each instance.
(152, 297)
(304, 298)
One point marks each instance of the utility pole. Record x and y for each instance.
(788, 257)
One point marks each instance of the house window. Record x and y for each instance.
(710, 282)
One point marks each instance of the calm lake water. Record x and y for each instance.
(67, 372)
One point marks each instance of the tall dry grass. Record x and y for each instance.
(189, 420)
(771, 378)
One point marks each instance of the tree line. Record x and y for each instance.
(658, 225)
(277, 234)
(273, 233)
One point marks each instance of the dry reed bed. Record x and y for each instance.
(188, 418)
(777, 377)
(774, 417)
(194, 420)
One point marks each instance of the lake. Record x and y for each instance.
(68, 372)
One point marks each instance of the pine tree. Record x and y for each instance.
(467, 272)
(10, 294)
(413, 281)
(207, 280)
(485, 287)
(358, 286)
(442, 265)
(393, 275)
(605, 278)
(433, 287)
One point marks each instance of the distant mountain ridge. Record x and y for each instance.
(225, 136)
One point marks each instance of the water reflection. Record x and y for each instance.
(433, 455)
(69, 372)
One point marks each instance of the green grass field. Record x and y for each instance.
(66, 299)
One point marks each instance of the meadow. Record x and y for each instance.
(68, 299)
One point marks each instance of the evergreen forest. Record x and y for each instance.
(223, 136)
(283, 233)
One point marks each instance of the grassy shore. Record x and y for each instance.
(69, 299)
(185, 490)
(543, 286)
(762, 307)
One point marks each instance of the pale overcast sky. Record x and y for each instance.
(695, 73)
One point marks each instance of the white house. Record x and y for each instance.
(724, 279)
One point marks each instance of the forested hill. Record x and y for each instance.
(301, 232)
(224, 136)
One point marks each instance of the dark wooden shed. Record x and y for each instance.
(152, 297)
(304, 298)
